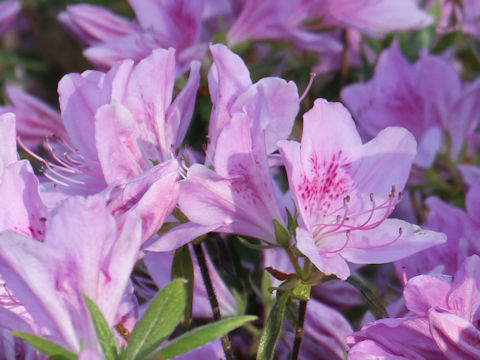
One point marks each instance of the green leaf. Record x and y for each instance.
(158, 322)
(200, 336)
(445, 42)
(281, 234)
(46, 347)
(103, 330)
(182, 267)
(273, 329)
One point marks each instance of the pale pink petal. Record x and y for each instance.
(425, 291)
(22, 210)
(79, 99)
(152, 196)
(457, 338)
(29, 269)
(179, 236)
(387, 243)
(8, 150)
(372, 16)
(274, 104)
(227, 78)
(117, 140)
(386, 162)
(179, 113)
(328, 263)
(209, 199)
(464, 298)
(93, 24)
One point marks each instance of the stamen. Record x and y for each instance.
(309, 85)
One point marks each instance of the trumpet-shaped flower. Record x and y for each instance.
(35, 119)
(85, 252)
(344, 191)
(161, 24)
(445, 324)
(427, 98)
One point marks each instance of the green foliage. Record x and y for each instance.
(200, 336)
(273, 329)
(46, 347)
(182, 267)
(158, 322)
(104, 332)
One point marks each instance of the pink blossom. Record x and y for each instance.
(342, 200)
(35, 119)
(161, 24)
(239, 195)
(445, 324)
(84, 252)
(373, 16)
(427, 98)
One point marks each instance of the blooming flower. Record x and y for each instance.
(247, 119)
(84, 252)
(344, 191)
(35, 119)
(427, 98)
(445, 324)
(162, 24)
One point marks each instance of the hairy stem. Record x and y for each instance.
(202, 263)
(299, 330)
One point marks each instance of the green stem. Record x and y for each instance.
(299, 330)
(202, 263)
(294, 261)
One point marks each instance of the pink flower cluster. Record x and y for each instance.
(312, 188)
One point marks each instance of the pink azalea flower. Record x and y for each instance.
(427, 98)
(161, 24)
(344, 191)
(372, 16)
(279, 21)
(247, 120)
(124, 121)
(35, 119)
(445, 324)
(84, 252)
(8, 12)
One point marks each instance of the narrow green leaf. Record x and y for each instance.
(281, 234)
(46, 347)
(182, 267)
(104, 332)
(200, 336)
(158, 322)
(273, 328)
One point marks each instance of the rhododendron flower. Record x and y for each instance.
(161, 24)
(272, 101)
(247, 119)
(84, 252)
(260, 20)
(8, 12)
(445, 324)
(372, 16)
(344, 191)
(427, 98)
(35, 119)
